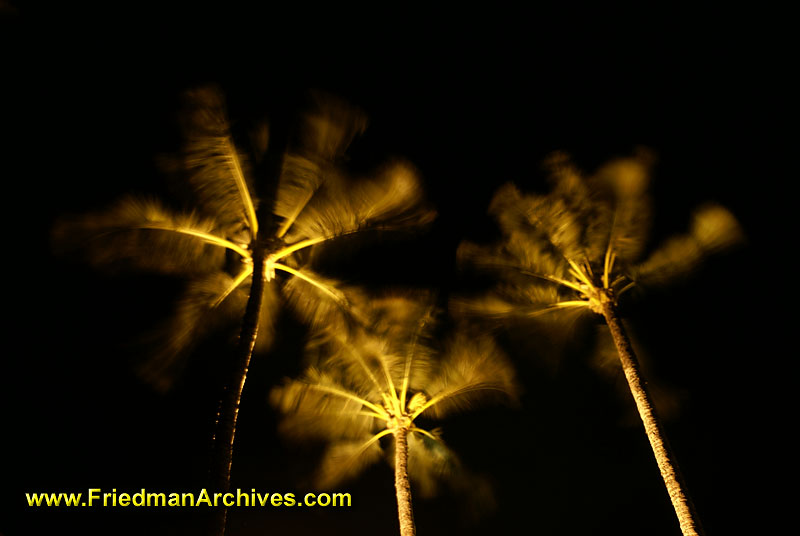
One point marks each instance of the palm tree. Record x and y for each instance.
(233, 248)
(377, 382)
(579, 248)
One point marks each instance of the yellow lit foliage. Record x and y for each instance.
(579, 248)
(585, 241)
(372, 382)
(212, 245)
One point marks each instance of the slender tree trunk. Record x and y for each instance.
(687, 517)
(262, 244)
(402, 485)
(229, 408)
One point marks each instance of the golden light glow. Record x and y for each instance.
(370, 383)
(581, 246)
(316, 203)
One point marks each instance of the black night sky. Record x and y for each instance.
(473, 99)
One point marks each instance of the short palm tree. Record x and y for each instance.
(233, 248)
(579, 248)
(379, 382)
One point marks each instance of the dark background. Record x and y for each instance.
(473, 99)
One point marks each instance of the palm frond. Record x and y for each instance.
(401, 316)
(210, 303)
(329, 126)
(568, 182)
(628, 180)
(379, 376)
(473, 369)
(402, 323)
(580, 218)
(586, 235)
(313, 409)
(536, 255)
(544, 228)
(319, 301)
(217, 171)
(418, 353)
(142, 234)
(562, 226)
(518, 254)
(195, 315)
(245, 272)
(510, 208)
(341, 206)
(363, 360)
(394, 197)
(345, 460)
(300, 179)
(713, 229)
(326, 132)
(510, 302)
(371, 363)
(489, 305)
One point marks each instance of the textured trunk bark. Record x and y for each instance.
(402, 485)
(687, 517)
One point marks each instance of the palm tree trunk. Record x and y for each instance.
(225, 431)
(687, 517)
(402, 485)
(229, 409)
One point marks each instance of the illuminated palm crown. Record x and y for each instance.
(382, 380)
(315, 202)
(581, 246)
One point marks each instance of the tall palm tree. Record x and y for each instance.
(239, 254)
(376, 383)
(579, 248)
